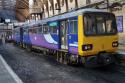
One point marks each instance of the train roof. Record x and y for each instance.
(70, 14)
(64, 16)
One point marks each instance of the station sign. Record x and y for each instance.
(53, 24)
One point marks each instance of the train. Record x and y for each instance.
(85, 36)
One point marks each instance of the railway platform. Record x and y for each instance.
(6, 73)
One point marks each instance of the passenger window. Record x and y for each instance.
(45, 29)
(74, 26)
(39, 30)
(24, 31)
(53, 27)
(32, 31)
(15, 32)
(36, 29)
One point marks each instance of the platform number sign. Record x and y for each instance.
(120, 23)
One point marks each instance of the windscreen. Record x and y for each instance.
(99, 24)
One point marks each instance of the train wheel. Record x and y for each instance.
(51, 52)
(73, 60)
(23, 45)
(66, 60)
(69, 62)
(60, 58)
(57, 56)
(63, 58)
(28, 47)
(44, 52)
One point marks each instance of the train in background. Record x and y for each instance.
(86, 36)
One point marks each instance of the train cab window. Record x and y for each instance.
(108, 25)
(74, 26)
(100, 25)
(111, 25)
(90, 27)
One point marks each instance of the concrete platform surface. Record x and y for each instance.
(6, 73)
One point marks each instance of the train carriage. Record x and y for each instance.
(87, 36)
(16, 37)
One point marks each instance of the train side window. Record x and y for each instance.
(74, 26)
(29, 31)
(17, 31)
(45, 29)
(40, 29)
(24, 31)
(32, 31)
(53, 29)
(37, 30)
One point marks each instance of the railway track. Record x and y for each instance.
(30, 66)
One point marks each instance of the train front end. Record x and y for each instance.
(97, 38)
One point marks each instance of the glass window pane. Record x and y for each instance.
(55, 29)
(75, 27)
(90, 25)
(45, 29)
(39, 30)
(100, 25)
(71, 26)
(111, 25)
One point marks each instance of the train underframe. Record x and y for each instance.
(63, 56)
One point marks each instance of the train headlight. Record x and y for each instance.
(87, 47)
(115, 44)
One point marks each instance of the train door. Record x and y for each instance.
(63, 34)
